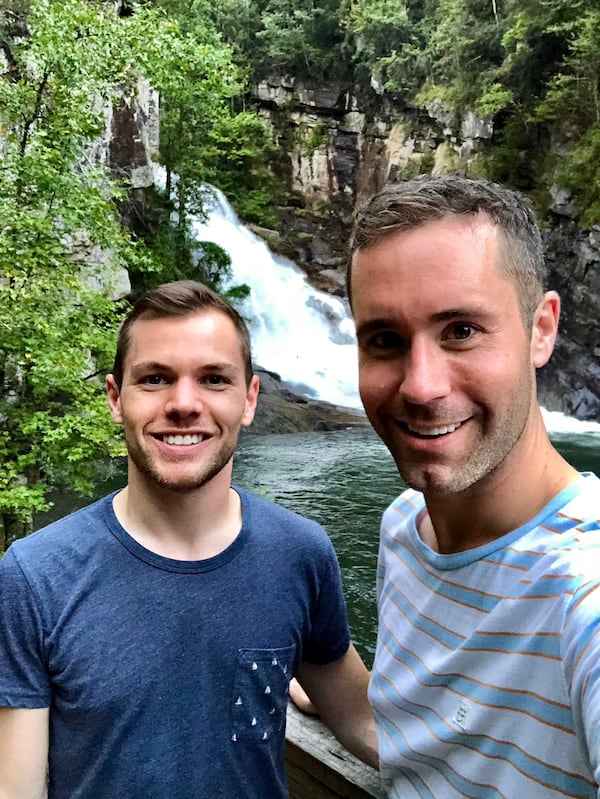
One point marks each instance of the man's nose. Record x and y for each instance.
(184, 398)
(426, 375)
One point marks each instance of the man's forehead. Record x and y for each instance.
(448, 240)
(212, 329)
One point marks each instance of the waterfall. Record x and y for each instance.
(304, 335)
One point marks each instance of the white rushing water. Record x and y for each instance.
(304, 335)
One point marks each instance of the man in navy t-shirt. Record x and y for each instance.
(147, 641)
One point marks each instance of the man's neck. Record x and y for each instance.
(502, 502)
(193, 525)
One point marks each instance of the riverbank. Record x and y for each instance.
(281, 410)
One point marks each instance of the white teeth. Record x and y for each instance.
(434, 431)
(180, 441)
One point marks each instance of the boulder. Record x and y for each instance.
(282, 410)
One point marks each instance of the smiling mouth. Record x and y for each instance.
(179, 440)
(430, 432)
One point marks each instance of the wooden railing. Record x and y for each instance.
(318, 767)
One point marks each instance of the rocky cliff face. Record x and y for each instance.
(338, 149)
(571, 381)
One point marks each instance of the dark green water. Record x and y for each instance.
(344, 480)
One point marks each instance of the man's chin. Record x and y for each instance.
(185, 483)
(433, 482)
(181, 484)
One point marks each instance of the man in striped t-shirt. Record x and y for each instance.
(486, 680)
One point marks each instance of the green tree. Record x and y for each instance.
(301, 37)
(572, 103)
(386, 46)
(196, 79)
(206, 135)
(62, 246)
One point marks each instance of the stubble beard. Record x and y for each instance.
(496, 440)
(447, 480)
(206, 470)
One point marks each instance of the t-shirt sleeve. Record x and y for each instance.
(24, 681)
(581, 658)
(330, 635)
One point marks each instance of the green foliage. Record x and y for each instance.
(570, 102)
(574, 92)
(494, 98)
(520, 63)
(170, 245)
(177, 251)
(205, 139)
(61, 247)
(515, 160)
(581, 173)
(302, 38)
(195, 79)
(533, 66)
(315, 137)
(451, 44)
(384, 42)
(235, 159)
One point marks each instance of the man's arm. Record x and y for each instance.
(338, 691)
(23, 753)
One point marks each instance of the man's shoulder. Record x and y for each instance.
(576, 511)
(566, 535)
(263, 513)
(586, 501)
(66, 533)
(407, 504)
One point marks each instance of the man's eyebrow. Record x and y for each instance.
(374, 326)
(156, 366)
(460, 313)
(447, 315)
(149, 366)
(220, 366)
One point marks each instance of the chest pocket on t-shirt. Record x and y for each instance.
(260, 693)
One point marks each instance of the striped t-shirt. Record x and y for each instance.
(486, 680)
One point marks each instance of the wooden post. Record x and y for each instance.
(318, 766)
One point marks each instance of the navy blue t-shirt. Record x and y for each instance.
(166, 679)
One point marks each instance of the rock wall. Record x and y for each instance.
(336, 149)
(571, 381)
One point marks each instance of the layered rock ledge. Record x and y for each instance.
(281, 410)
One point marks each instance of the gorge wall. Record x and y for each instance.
(336, 149)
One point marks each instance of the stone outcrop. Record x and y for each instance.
(280, 410)
(337, 149)
(571, 381)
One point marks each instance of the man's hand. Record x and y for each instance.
(300, 698)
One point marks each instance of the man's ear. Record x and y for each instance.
(545, 328)
(251, 400)
(114, 399)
